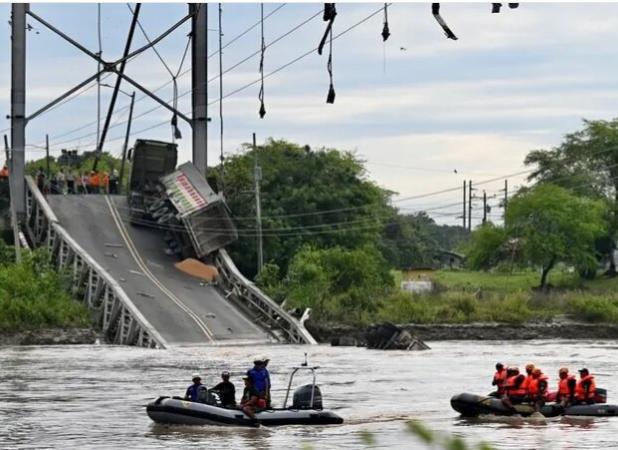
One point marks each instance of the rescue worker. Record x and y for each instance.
(514, 392)
(499, 380)
(226, 390)
(585, 390)
(86, 183)
(70, 182)
(95, 182)
(566, 387)
(105, 183)
(250, 399)
(197, 390)
(537, 389)
(529, 370)
(4, 173)
(260, 377)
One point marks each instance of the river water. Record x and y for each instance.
(94, 396)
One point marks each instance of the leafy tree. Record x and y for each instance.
(485, 248)
(407, 241)
(552, 225)
(587, 164)
(337, 283)
(318, 197)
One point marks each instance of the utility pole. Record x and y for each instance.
(484, 207)
(506, 197)
(199, 86)
(257, 176)
(47, 154)
(126, 143)
(18, 106)
(469, 205)
(464, 204)
(9, 164)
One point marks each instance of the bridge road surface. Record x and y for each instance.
(182, 310)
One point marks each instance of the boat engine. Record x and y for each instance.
(302, 397)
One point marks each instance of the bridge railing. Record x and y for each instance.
(248, 294)
(112, 309)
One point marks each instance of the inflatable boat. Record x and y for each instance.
(306, 409)
(472, 405)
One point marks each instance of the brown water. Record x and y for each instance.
(94, 396)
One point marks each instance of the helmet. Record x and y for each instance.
(563, 370)
(584, 370)
(196, 375)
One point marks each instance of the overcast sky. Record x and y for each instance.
(417, 108)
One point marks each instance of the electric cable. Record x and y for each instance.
(262, 110)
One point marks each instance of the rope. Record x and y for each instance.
(262, 50)
(221, 96)
(330, 12)
(330, 98)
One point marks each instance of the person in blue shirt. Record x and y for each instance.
(261, 378)
(196, 391)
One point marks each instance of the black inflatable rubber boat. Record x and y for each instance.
(306, 409)
(472, 405)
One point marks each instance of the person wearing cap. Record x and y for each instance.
(226, 391)
(260, 377)
(499, 380)
(566, 387)
(585, 390)
(250, 398)
(196, 391)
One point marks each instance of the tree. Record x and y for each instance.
(587, 164)
(553, 225)
(311, 197)
(485, 248)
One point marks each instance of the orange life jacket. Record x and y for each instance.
(580, 392)
(563, 385)
(511, 388)
(533, 385)
(499, 380)
(527, 381)
(94, 180)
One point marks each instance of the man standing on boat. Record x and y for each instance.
(226, 390)
(261, 378)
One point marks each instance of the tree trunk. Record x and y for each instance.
(544, 273)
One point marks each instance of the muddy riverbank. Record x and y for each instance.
(350, 335)
(51, 336)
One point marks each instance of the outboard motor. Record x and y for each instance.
(302, 397)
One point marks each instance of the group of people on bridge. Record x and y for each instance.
(72, 182)
(256, 394)
(533, 387)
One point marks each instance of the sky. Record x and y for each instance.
(423, 111)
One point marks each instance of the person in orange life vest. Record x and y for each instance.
(499, 380)
(95, 182)
(529, 370)
(537, 389)
(514, 392)
(105, 182)
(585, 389)
(566, 387)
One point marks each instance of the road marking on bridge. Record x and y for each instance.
(146, 271)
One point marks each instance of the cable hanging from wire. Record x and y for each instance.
(221, 188)
(330, 12)
(435, 10)
(386, 32)
(262, 111)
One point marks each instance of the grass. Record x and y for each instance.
(466, 297)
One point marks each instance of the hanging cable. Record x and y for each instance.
(495, 8)
(435, 10)
(330, 98)
(221, 188)
(386, 32)
(262, 51)
(330, 12)
(99, 54)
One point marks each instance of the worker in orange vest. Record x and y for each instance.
(529, 370)
(4, 173)
(105, 183)
(537, 389)
(95, 182)
(585, 389)
(499, 380)
(566, 387)
(513, 390)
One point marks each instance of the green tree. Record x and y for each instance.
(337, 283)
(586, 162)
(485, 248)
(311, 197)
(552, 225)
